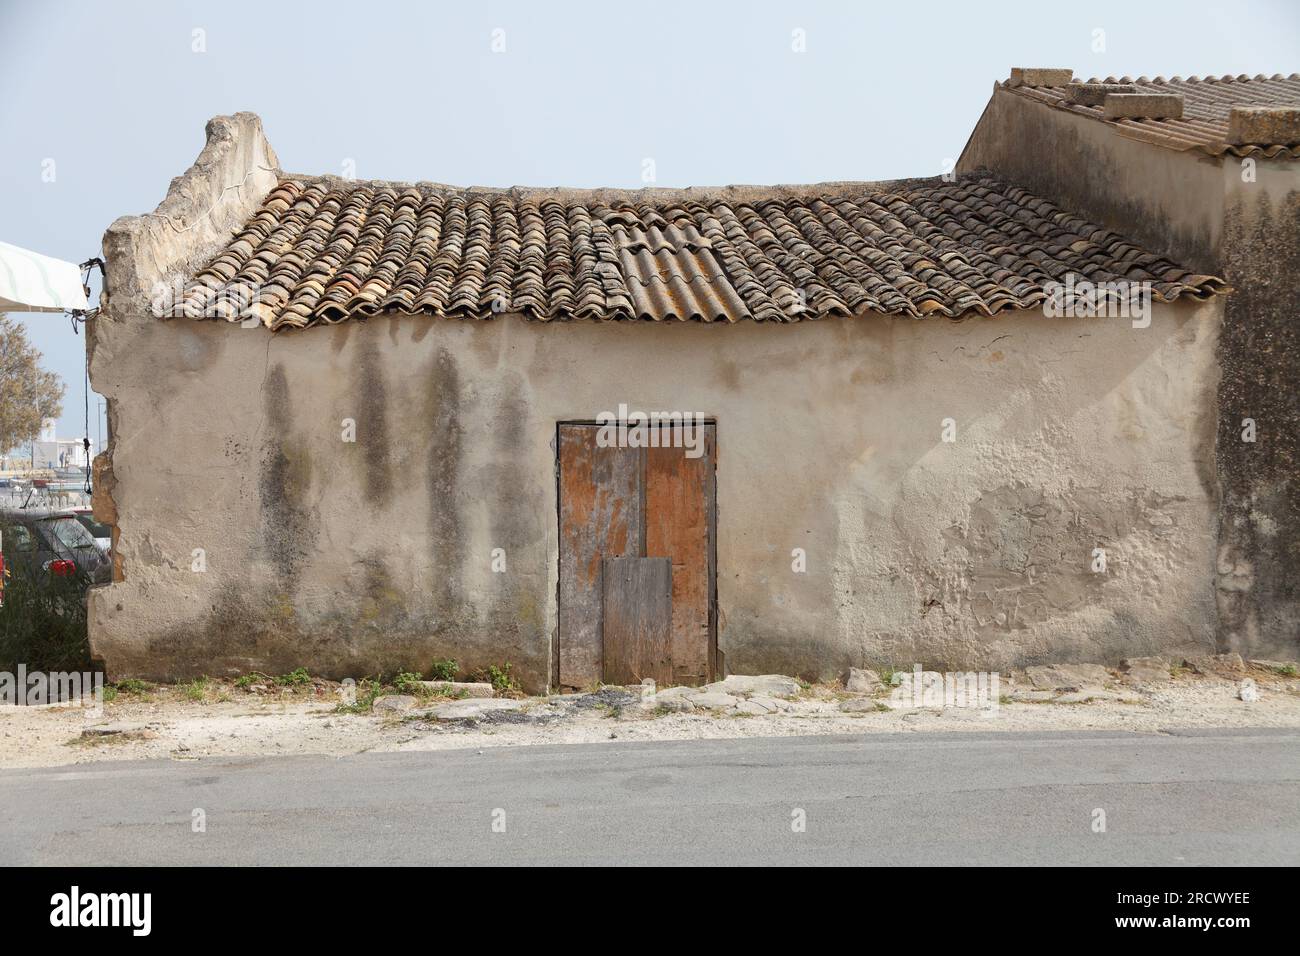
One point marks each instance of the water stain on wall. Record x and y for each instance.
(442, 477)
(373, 440)
(288, 530)
(1259, 352)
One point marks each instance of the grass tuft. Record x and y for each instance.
(368, 689)
(444, 670)
(501, 680)
(298, 677)
(195, 690)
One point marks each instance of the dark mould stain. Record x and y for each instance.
(288, 529)
(340, 333)
(373, 440)
(728, 374)
(512, 516)
(442, 410)
(366, 631)
(1259, 355)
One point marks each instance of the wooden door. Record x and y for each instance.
(635, 503)
(636, 620)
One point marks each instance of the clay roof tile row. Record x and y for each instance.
(325, 250)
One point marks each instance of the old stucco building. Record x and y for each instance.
(354, 423)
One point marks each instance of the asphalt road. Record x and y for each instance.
(1229, 797)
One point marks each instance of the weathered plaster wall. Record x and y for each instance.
(1165, 199)
(1072, 434)
(1259, 541)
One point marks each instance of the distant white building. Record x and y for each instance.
(51, 452)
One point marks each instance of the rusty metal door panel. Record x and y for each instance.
(637, 598)
(600, 516)
(679, 512)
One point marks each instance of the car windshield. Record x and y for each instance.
(71, 533)
(96, 529)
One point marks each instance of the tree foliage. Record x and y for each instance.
(29, 394)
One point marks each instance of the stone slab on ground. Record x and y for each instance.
(677, 705)
(859, 705)
(770, 685)
(112, 729)
(1146, 670)
(1086, 694)
(1067, 676)
(1032, 696)
(860, 680)
(1230, 663)
(393, 704)
(453, 688)
(774, 704)
(472, 707)
(1279, 666)
(669, 693)
(812, 708)
(711, 699)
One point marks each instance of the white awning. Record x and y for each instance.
(34, 283)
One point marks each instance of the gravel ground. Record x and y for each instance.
(164, 721)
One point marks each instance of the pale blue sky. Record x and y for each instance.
(582, 94)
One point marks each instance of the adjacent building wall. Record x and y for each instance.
(1164, 199)
(1236, 218)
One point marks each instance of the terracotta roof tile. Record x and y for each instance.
(1207, 104)
(322, 250)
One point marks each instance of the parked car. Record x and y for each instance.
(101, 532)
(54, 544)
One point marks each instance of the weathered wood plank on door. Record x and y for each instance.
(600, 516)
(679, 511)
(638, 620)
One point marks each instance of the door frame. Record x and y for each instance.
(714, 656)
